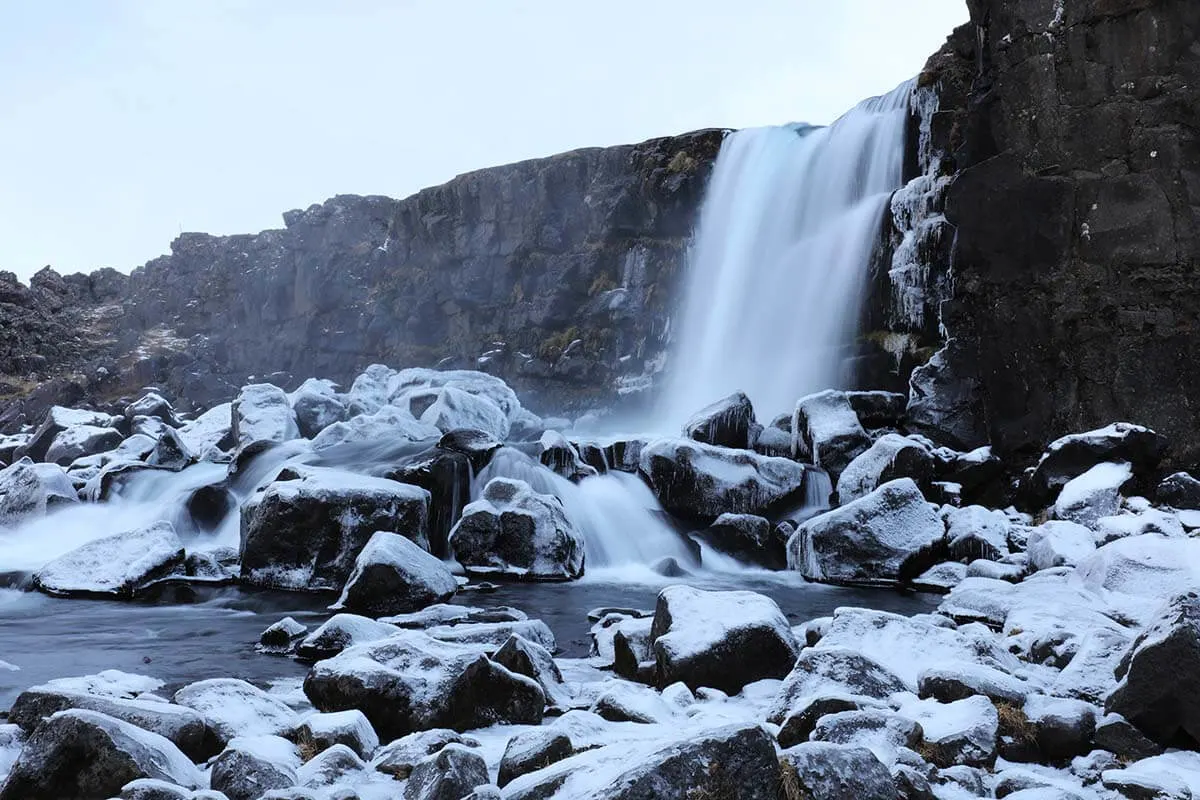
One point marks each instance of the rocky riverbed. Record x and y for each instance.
(417, 588)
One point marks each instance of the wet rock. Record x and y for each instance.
(869, 539)
(306, 532)
(262, 412)
(80, 755)
(561, 456)
(392, 575)
(704, 638)
(700, 482)
(170, 452)
(116, 566)
(826, 425)
(747, 537)
(530, 751)
(513, 530)
(878, 409)
(729, 422)
(822, 769)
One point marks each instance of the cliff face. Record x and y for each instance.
(556, 272)
(1072, 131)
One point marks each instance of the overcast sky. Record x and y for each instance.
(124, 122)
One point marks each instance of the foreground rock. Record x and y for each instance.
(116, 566)
(705, 639)
(513, 530)
(821, 769)
(867, 540)
(304, 533)
(394, 576)
(83, 755)
(700, 482)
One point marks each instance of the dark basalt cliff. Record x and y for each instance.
(556, 272)
(1073, 132)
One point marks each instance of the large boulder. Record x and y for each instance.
(349, 728)
(563, 457)
(262, 412)
(1094, 494)
(1071, 456)
(889, 457)
(387, 424)
(722, 640)
(411, 681)
(1180, 490)
(449, 408)
(304, 533)
(1159, 690)
(449, 774)
(826, 770)
(209, 430)
(250, 767)
(729, 422)
(317, 406)
(826, 426)
(975, 532)
(392, 575)
(233, 708)
(116, 566)
(85, 755)
(869, 539)
(169, 451)
(57, 420)
(29, 490)
(154, 406)
(516, 531)
(78, 441)
(700, 482)
(749, 538)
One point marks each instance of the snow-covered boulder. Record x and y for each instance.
(729, 422)
(1071, 456)
(449, 408)
(516, 531)
(1094, 494)
(249, 767)
(561, 456)
(490, 635)
(78, 441)
(154, 406)
(282, 636)
(889, 457)
(948, 684)
(1058, 543)
(340, 632)
(1138, 523)
(392, 575)
(170, 451)
(722, 640)
(1170, 776)
(866, 540)
(621, 701)
(399, 757)
(530, 751)
(336, 767)
(975, 532)
(305, 533)
(29, 490)
(824, 769)
(531, 659)
(1150, 566)
(480, 384)
(411, 681)
(826, 426)
(883, 732)
(749, 538)
(57, 420)
(453, 771)
(105, 694)
(701, 482)
(1062, 728)
(233, 708)
(369, 392)
(317, 406)
(389, 423)
(117, 565)
(1180, 490)
(1159, 690)
(209, 430)
(963, 732)
(85, 754)
(350, 728)
(262, 412)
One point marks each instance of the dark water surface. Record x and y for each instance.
(215, 636)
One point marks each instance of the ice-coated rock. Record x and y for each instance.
(866, 540)
(532, 750)
(561, 456)
(81, 755)
(182, 726)
(700, 482)
(1058, 543)
(1159, 690)
(411, 681)
(480, 384)
(449, 408)
(722, 640)
(729, 422)
(28, 490)
(514, 530)
(251, 766)
(824, 769)
(209, 430)
(262, 412)
(170, 451)
(826, 426)
(1094, 494)
(305, 533)
(889, 457)
(117, 565)
(392, 575)
(78, 441)
(233, 708)
(448, 774)
(317, 406)
(350, 728)
(388, 423)
(749, 538)
(339, 632)
(1072, 456)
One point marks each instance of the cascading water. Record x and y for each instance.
(779, 266)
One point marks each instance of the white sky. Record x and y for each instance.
(123, 122)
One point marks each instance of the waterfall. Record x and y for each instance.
(780, 262)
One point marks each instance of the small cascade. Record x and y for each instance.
(778, 270)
